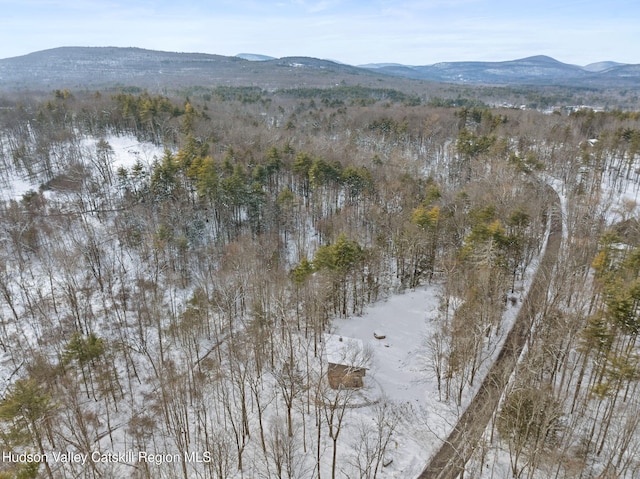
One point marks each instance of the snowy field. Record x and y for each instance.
(400, 371)
(126, 152)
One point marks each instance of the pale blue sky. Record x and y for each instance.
(351, 31)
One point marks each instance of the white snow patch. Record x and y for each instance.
(128, 150)
(396, 364)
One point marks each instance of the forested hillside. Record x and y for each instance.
(170, 266)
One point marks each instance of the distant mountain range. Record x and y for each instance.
(537, 70)
(104, 67)
(92, 67)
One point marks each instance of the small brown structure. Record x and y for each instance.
(346, 362)
(341, 376)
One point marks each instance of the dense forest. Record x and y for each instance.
(177, 303)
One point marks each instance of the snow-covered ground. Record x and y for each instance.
(400, 370)
(126, 151)
(618, 198)
(398, 367)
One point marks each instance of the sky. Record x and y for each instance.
(356, 32)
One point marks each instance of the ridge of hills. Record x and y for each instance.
(535, 70)
(91, 67)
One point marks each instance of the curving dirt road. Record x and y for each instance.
(449, 461)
